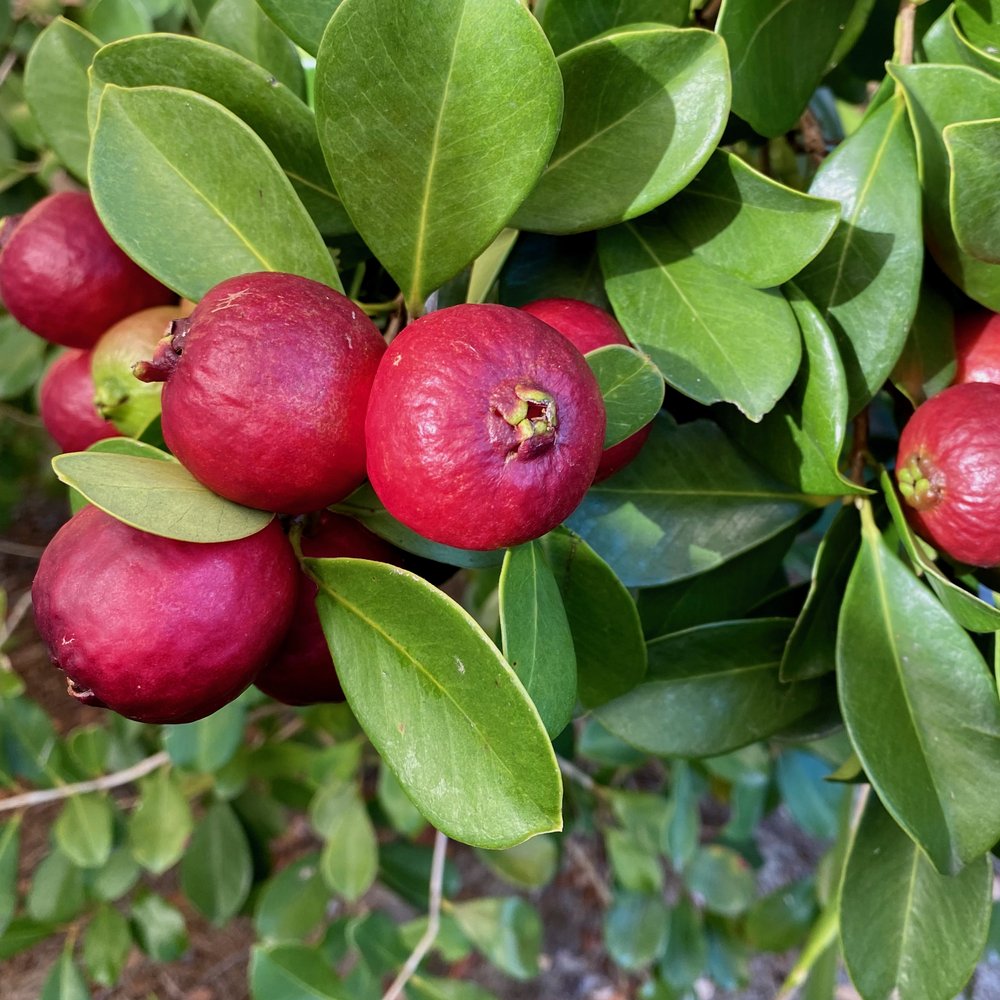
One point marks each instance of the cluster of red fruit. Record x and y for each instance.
(480, 427)
(948, 465)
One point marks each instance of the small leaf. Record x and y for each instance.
(160, 825)
(529, 865)
(216, 871)
(83, 830)
(403, 815)
(65, 982)
(304, 21)
(632, 389)
(157, 496)
(686, 954)
(210, 743)
(571, 22)
(57, 892)
(349, 861)
(292, 902)
(159, 929)
(488, 265)
(507, 931)
(813, 801)
(927, 364)
(979, 20)
(635, 929)
(116, 877)
(292, 972)
(781, 919)
(106, 945)
(974, 151)
(24, 358)
(722, 880)
(10, 847)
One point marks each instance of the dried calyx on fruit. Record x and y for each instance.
(66, 402)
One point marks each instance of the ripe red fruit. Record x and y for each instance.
(977, 347)
(589, 327)
(66, 403)
(485, 427)
(62, 276)
(156, 629)
(301, 672)
(267, 382)
(948, 469)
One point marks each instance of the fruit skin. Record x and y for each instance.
(977, 347)
(156, 629)
(588, 327)
(301, 672)
(948, 469)
(62, 276)
(444, 454)
(66, 403)
(266, 385)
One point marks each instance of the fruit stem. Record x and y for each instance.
(168, 352)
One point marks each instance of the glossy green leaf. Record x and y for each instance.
(802, 438)
(711, 335)
(920, 707)
(508, 931)
(686, 954)
(65, 981)
(242, 26)
(157, 496)
(487, 266)
(113, 19)
(349, 861)
(938, 96)
(927, 364)
(159, 929)
(537, 642)
(689, 502)
(682, 835)
(285, 123)
(159, 827)
(439, 703)
(907, 930)
(292, 902)
(22, 934)
(434, 144)
(781, 919)
(722, 880)
(529, 865)
(711, 689)
(116, 877)
(57, 891)
(945, 42)
(403, 815)
(872, 265)
(571, 22)
(430, 988)
(83, 829)
(749, 225)
(145, 174)
(106, 945)
(217, 868)
(24, 358)
(814, 802)
(974, 151)
(210, 743)
(632, 389)
(779, 52)
(292, 972)
(980, 20)
(10, 849)
(603, 621)
(304, 21)
(635, 929)
(406, 869)
(645, 106)
(542, 266)
(56, 87)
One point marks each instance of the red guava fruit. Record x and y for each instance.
(266, 386)
(66, 403)
(62, 276)
(588, 328)
(484, 428)
(977, 347)
(301, 672)
(948, 470)
(157, 629)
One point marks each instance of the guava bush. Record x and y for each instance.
(784, 206)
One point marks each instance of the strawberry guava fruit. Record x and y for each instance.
(977, 347)
(63, 277)
(484, 427)
(588, 327)
(66, 403)
(265, 389)
(948, 470)
(156, 629)
(302, 672)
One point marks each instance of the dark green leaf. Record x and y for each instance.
(10, 847)
(159, 826)
(106, 945)
(83, 830)
(945, 42)
(434, 144)
(980, 20)
(872, 264)
(686, 954)
(711, 335)
(292, 902)
(349, 862)
(645, 106)
(920, 706)
(721, 879)
(159, 929)
(23, 355)
(536, 635)
(118, 874)
(543, 267)
(687, 504)
(210, 743)
(161, 154)
(157, 496)
(680, 839)
(304, 21)
(406, 869)
(22, 934)
(974, 151)
(57, 893)
(813, 801)
(710, 689)
(905, 927)
(292, 972)
(632, 389)
(217, 869)
(571, 22)
(781, 919)
(927, 364)
(635, 929)
(113, 19)
(635, 869)
(439, 703)
(65, 982)
(508, 931)
(428, 988)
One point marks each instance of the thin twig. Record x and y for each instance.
(20, 549)
(906, 20)
(101, 784)
(17, 612)
(582, 860)
(859, 448)
(7, 65)
(583, 779)
(433, 921)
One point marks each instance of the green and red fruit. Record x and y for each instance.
(156, 629)
(948, 470)
(485, 427)
(588, 328)
(977, 347)
(63, 277)
(266, 386)
(66, 403)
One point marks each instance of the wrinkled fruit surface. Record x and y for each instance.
(588, 328)
(156, 629)
(62, 276)
(977, 347)
(302, 672)
(948, 470)
(266, 386)
(66, 403)
(485, 427)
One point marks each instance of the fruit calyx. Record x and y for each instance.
(531, 412)
(921, 482)
(7, 226)
(168, 353)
